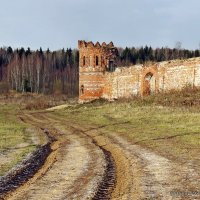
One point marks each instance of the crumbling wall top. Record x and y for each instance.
(84, 44)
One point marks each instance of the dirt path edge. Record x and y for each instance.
(29, 170)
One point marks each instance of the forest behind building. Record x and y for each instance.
(39, 71)
(57, 72)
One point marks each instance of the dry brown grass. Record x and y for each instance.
(188, 97)
(31, 101)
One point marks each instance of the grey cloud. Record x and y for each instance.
(60, 23)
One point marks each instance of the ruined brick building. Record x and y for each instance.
(99, 77)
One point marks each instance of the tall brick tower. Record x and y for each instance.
(94, 61)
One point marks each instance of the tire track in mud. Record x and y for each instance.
(82, 169)
(90, 165)
(25, 170)
(158, 177)
(106, 186)
(143, 174)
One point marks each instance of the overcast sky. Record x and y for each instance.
(61, 23)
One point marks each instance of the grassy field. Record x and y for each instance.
(168, 124)
(15, 140)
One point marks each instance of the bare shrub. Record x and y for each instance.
(37, 104)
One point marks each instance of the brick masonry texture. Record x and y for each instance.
(100, 78)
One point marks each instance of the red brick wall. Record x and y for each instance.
(133, 80)
(91, 71)
(129, 81)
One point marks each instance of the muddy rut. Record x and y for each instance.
(87, 165)
(75, 170)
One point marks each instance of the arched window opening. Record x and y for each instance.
(82, 89)
(148, 76)
(149, 87)
(84, 61)
(97, 60)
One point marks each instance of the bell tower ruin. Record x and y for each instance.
(94, 61)
(100, 77)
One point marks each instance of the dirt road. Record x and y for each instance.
(87, 165)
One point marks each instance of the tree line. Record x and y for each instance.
(51, 72)
(39, 71)
(131, 56)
